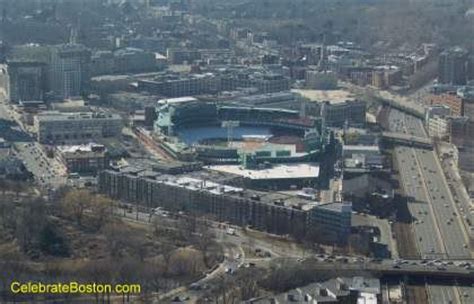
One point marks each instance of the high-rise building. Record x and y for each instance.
(467, 95)
(452, 67)
(26, 80)
(69, 70)
(342, 113)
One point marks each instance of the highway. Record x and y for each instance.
(460, 195)
(440, 294)
(409, 140)
(438, 228)
(427, 240)
(236, 258)
(437, 224)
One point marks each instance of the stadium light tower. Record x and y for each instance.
(230, 125)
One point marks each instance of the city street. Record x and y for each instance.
(235, 257)
(48, 172)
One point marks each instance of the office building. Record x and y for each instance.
(26, 81)
(386, 76)
(467, 95)
(344, 113)
(438, 127)
(180, 55)
(331, 215)
(462, 135)
(320, 80)
(462, 131)
(360, 75)
(264, 82)
(468, 110)
(87, 158)
(130, 60)
(57, 127)
(178, 86)
(452, 66)
(103, 63)
(334, 219)
(286, 100)
(69, 70)
(437, 120)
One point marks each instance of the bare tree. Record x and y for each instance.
(100, 208)
(75, 203)
(31, 218)
(203, 241)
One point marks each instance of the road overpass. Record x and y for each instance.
(401, 104)
(398, 102)
(407, 140)
(409, 268)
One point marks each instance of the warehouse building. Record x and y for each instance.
(57, 127)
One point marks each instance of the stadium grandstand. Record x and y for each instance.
(234, 134)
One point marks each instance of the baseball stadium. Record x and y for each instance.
(190, 129)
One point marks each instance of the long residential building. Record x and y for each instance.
(269, 212)
(201, 197)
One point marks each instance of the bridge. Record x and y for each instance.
(435, 269)
(407, 140)
(401, 270)
(395, 101)
(404, 106)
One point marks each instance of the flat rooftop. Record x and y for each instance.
(360, 148)
(199, 181)
(333, 96)
(216, 182)
(286, 171)
(59, 116)
(176, 100)
(336, 207)
(80, 148)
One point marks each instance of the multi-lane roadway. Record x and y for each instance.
(460, 195)
(48, 172)
(437, 223)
